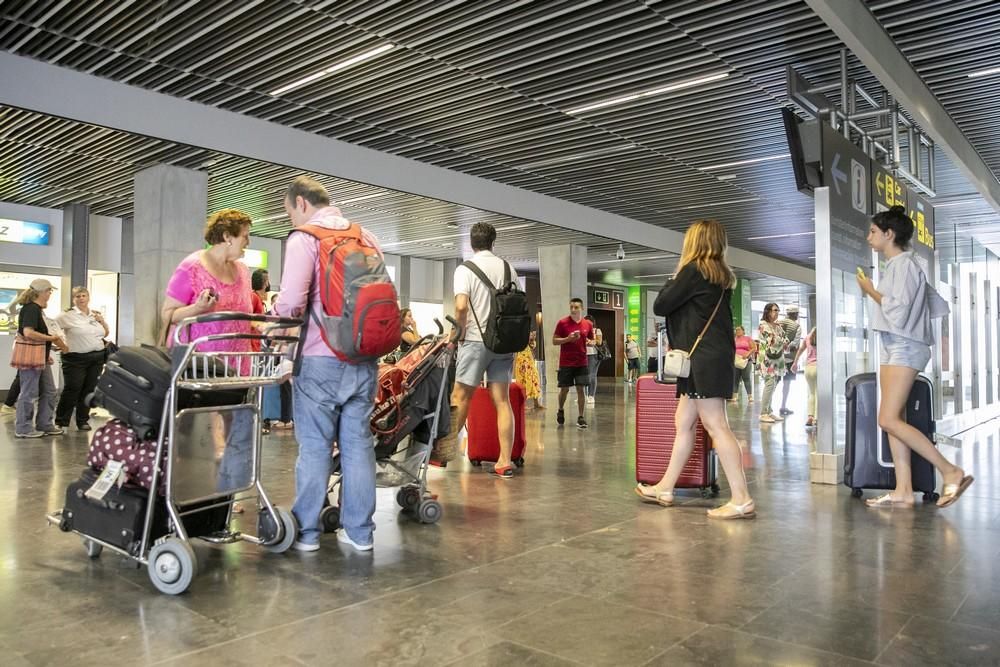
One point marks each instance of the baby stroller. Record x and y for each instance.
(411, 412)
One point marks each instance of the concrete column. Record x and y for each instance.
(563, 276)
(76, 232)
(126, 285)
(448, 294)
(170, 206)
(403, 282)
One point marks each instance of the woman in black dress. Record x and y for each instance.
(703, 281)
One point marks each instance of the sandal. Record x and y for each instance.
(886, 500)
(504, 472)
(952, 492)
(729, 511)
(662, 498)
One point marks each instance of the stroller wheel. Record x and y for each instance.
(329, 518)
(429, 511)
(408, 497)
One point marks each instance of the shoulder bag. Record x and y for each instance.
(677, 363)
(28, 354)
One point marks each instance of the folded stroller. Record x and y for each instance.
(411, 412)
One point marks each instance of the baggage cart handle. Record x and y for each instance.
(235, 316)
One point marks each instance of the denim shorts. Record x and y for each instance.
(899, 351)
(474, 359)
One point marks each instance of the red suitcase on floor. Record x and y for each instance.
(655, 405)
(481, 426)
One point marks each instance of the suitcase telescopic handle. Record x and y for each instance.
(138, 380)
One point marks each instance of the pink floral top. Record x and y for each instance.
(190, 278)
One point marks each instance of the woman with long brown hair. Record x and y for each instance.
(700, 293)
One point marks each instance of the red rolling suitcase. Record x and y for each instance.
(655, 404)
(481, 426)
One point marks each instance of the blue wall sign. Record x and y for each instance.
(21, 231)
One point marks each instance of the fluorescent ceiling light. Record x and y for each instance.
(727, 177)
(723, 203)
(777, 236)
(362, 198)
(335, 68)
(269, 217)
(577, 156)
(742, 162)
(452, 236)
(985, 72)
(655, 275)
(649, 93)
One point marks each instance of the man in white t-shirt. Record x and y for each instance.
(474, 358)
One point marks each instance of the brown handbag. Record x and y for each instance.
(28, 354)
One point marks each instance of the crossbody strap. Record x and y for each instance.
(707, 324)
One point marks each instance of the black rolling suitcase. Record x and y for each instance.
(134, 384)
(865, 459)
(119, 517)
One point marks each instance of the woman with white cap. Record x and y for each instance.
(34, 369)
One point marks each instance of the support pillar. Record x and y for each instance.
(126, 285)
(740, 304)
(403, 282)
(170, 206)
(448, 293)
(563, 276)
(76, 233)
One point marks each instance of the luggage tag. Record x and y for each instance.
(114, 473)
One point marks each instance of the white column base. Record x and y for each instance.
(826, 468)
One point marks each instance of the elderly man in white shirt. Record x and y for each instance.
(85, 332)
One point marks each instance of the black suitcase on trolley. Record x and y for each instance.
(119, 517)
(863, 461)
(134, 384)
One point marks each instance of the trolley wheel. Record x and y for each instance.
(93, 548)
(408, 497)
(475, 463)
(65, 525)
(329, 518)
(856, 493)
(706, 492)
(289, 532)
(172, 566)
(519, 462)
(715, 490)
(931, 497)
(429, 511)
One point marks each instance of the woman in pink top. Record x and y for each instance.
(213, 280)
(744, 350)
(810, 351)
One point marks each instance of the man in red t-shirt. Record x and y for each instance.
(573, 334)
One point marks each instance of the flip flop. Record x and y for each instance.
(886, 500)
(952, 492)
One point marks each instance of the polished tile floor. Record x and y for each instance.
(559, 566)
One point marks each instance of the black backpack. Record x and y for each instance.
(509, 325)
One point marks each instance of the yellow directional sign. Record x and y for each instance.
(889, 191)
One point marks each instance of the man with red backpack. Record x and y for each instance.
(335, 280)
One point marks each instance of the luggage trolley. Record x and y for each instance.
(198, 478)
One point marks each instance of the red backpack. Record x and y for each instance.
(360, 318)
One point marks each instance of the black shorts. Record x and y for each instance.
(569, 376)
(633, 364)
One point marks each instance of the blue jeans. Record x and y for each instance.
(235, 468)
(35, 383)
(333, 402)
(592, 365)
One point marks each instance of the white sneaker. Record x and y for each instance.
(7, 410)
(30, 434)
(590, 400)
(305, 546)
(344, 538)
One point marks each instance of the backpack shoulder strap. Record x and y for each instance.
(321, 233)
(471, 266)
(506, 273)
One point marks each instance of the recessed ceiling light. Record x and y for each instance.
(334, 68)
(777, 236)
(742, 162)
(632, 259)
(985, 72)
(362, 198)
(649, 93)
(727, 177)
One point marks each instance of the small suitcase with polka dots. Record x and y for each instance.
(117, 441)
